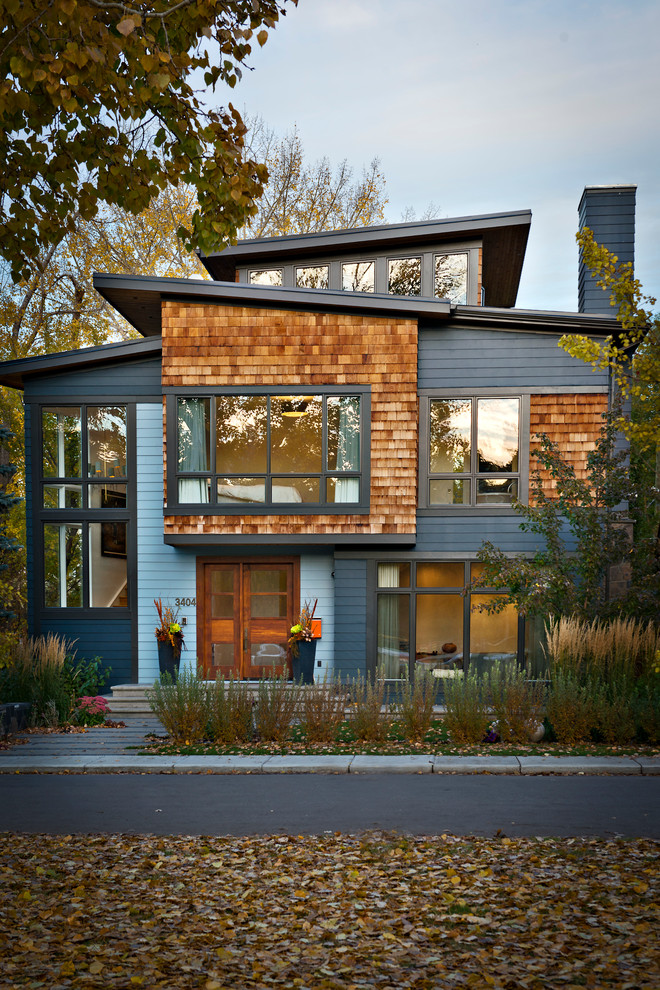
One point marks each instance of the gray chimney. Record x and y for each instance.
(609, 211)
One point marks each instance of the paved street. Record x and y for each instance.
(245, 804)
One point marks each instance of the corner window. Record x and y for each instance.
(474, 448)
(241, 452)
(82, 511)
(425, 621)
(450, 277)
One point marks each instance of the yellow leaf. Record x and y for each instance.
(126, 27)
(25, 895)
(68, 969)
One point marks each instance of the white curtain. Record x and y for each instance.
(193, 455)
(348, 452)
(389, 633)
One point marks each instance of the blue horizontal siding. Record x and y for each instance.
(465, 534)
(350, 618)
(477, 358)
(109, 639)
(126, 378)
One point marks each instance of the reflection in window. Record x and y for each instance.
(450, 277)
(312, 277)
(106, 441)
(492, 637)
(62, 497)
(63, 569)
(358, 276)
(275, 449)
(497, 434)
(404, 276)
(61, 441)
(268, 276)
(450, 431)
(471, 443)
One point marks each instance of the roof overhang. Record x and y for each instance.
(503, 237)
(139, 299)
(14, 373)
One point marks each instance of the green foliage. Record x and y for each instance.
(181, 706)
(415, 708)
(615, 651)
(40, 671)
(570, 709)
(584, 534)
(277, 706)
(366, 703)
(637, 378)
(8, 544)
(230, 711)
(466, 704)
(517, 703)
(62, 157)
(322, 711)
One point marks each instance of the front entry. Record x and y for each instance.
(244, 615)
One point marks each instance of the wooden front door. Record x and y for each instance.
(247, 610)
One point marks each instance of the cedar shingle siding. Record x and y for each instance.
(213, 347)
(572, 421)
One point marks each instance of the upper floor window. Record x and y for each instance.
(83, 454)
(267, 276)
(358, 276)
(474, 448)
(404, 276)
(313, 277)
(246, 451)
(451, 277)
(82, 512)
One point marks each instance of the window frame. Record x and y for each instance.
(412, 591)
(425, 506)
(175, 507)
(83, 516)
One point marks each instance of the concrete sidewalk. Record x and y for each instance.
(115, 750)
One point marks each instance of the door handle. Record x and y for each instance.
(245, 640)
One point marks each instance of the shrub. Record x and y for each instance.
(366, 716)
(517, 702)
(571, 708)
(646, 706)
(323, 711)
(276, 708)
(622, 649)
(91, 711)
(181, 706)
(466, 714)
(415, 709)
(37, 672)
(230, 705)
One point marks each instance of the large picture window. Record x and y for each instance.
(473, 451)
(83, 507)
(426, 621)
(246, 451)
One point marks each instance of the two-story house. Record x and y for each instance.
(339, 416)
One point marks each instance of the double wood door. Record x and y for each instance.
(246, 613)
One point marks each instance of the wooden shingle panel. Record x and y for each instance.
(572, 421)
(213, 347)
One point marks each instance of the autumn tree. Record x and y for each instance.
(632, 352)
(95, 93)
(302, 196)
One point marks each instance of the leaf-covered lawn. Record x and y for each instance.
(330, 912)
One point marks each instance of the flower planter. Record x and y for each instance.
(303, 665)
(168, 663)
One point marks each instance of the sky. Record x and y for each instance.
(479, 106)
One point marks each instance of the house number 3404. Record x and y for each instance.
(181, 602)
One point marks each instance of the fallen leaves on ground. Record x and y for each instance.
(328, 912)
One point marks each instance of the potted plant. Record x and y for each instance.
(302, 645)
(170, 639)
